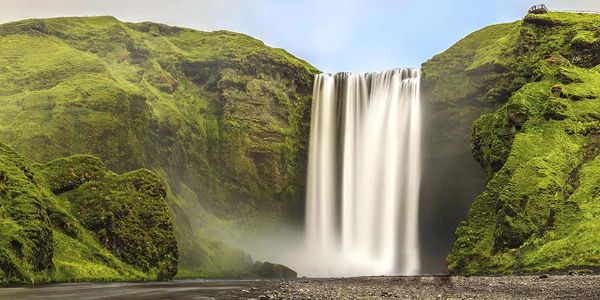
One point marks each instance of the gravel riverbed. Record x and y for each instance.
(430, 287)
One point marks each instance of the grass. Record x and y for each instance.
(222, 117)
(75, 260)
(56, 222)
(539, 146)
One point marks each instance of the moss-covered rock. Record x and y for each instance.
(25, 230)
(72, 219)
(272, 271)
(63, 175)
(538, 147)
(221, 116)
(130, 216)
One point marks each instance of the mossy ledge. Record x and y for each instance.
(222, 117)
(72, 219)
(538, 145)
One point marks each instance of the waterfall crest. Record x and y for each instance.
(364, 174)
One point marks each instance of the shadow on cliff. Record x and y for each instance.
(451, 180)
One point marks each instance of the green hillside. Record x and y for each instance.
(538, 145)
(219, 115)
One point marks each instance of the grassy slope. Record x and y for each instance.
(470, 78)
(63, 221)
(539, 147)
(219, 115)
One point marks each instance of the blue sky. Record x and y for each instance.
(350, 35)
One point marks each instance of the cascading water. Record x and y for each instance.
(364, 175)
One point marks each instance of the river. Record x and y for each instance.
(177, 289)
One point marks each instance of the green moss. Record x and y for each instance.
(221, 116)
(557, 109)
(26, 234)
(130, 216)
(66, 174)
(478, 62)
(84, 259)
(539, 150)
(73, 220)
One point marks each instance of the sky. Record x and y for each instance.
(335, 35)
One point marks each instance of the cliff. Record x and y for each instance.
(220, 116)
(532, 87)
(512, 119)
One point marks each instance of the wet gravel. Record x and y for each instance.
(430, 287)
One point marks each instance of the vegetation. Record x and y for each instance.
(223, 120)
(72, 219)
(539, 146)
(219, 115)
(274, 271)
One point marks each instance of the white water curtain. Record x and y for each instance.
(364, 175)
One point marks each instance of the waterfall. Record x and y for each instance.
(364, 175)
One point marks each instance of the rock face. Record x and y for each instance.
(219, 115)
(457, 87)
(536, 83)
(73, 219)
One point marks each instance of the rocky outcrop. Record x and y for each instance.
(272, 271)
(73, 219)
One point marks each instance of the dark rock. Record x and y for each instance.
(517, 114)
(386, 294)
(273, 271)
(557, 90)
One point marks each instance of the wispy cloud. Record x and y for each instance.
(349, 35)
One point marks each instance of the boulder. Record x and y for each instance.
(273, 271)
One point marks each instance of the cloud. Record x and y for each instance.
(349, 35)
